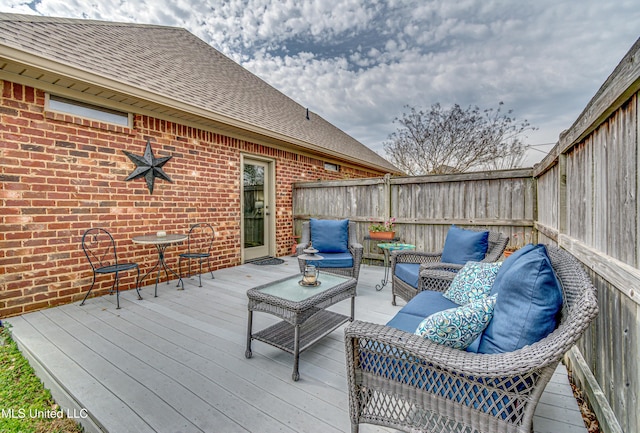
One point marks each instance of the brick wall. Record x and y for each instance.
(60, 175)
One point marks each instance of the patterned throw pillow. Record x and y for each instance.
(458, 327)
(472, 282)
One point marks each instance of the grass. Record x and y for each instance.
(26, 406)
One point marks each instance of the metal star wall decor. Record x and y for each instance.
(148, 166)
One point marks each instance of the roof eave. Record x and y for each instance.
(86, 76)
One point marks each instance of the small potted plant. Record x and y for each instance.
(517, 241)
(384, 230)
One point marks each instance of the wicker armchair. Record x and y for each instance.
(355, 248)
(497, 244)
(403, 381)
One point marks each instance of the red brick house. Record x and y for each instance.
(76, 94)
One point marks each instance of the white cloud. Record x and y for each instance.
(359, 63)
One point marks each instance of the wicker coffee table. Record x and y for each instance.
(303, 310)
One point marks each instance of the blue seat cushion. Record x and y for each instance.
(426, 303)
(333, 260)
(475, 344)
(462, 246)
(408, 272)
(420, 306)
(330, 236)
(405, 322)
(529, 302)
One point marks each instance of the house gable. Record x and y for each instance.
(168, 73)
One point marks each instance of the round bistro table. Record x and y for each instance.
(161, 243)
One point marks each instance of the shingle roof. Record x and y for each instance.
(172, 63)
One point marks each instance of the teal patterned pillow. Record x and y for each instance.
(458, 327)
(472, 282)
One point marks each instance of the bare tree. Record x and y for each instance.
(456, 140)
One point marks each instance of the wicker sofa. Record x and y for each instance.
(400, 380)
(497, 243)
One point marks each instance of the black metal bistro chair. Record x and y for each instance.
(100, 249)
(201, 236)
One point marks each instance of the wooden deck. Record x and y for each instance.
(176, 363)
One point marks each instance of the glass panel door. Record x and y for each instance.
(255, 183)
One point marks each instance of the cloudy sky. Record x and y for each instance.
(359, 63)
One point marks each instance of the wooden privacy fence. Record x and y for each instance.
(583, 197)
(588, 203)
(424, 207)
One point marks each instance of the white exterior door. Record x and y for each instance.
(257, 209)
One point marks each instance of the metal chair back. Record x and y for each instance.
(201, 236)
(100, 248)
(199, 244)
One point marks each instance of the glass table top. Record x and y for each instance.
(290, 290)
(392, 246)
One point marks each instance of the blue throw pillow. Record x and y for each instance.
(462, 246)
(506, 264)
(330, 236)
(458, 327)
(472, 282)
(529, 302)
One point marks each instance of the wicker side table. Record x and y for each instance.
(305, 319)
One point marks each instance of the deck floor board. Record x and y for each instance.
(176, 363)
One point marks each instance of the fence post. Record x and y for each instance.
(387, 196)
(562, 195)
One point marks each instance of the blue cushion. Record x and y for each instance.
(462, 246)
(408, 272)
(474, 281)
(420, 306)
(426, 303)
(333, 260)
(475, 344)
(458, 327)
(529, 302)
(405, 322)
(507, 263)
(330, 236)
